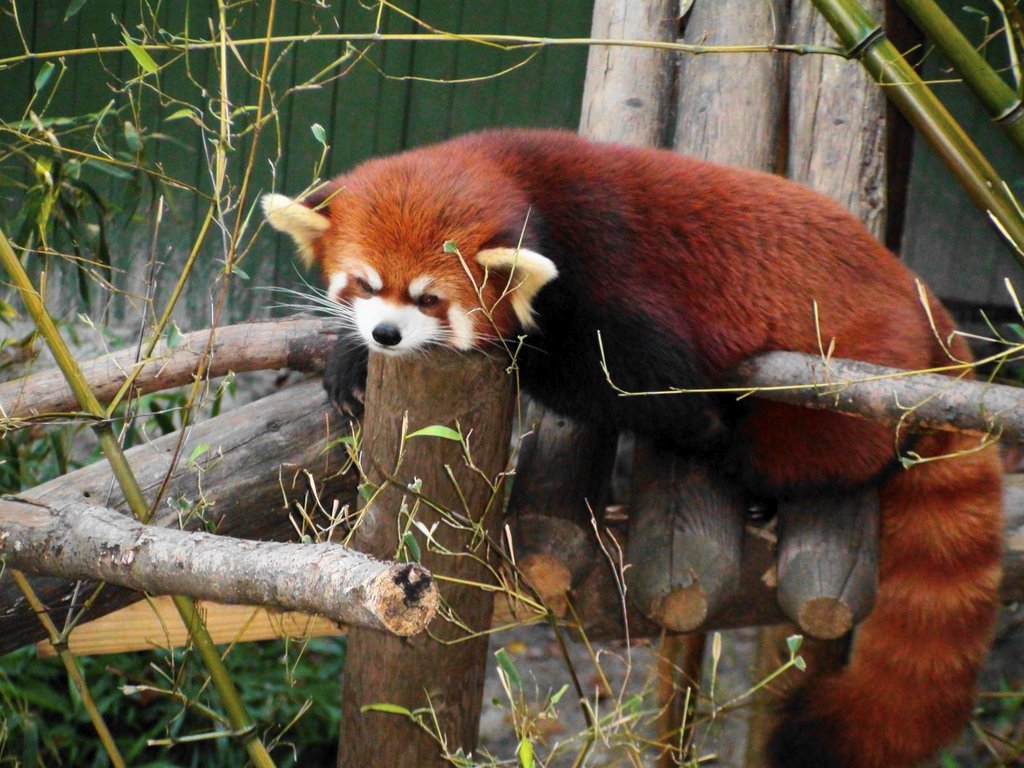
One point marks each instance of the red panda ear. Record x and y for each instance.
(301, 223)
(530, 272)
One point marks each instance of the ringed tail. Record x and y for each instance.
(909, 686)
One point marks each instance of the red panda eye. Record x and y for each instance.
(365, 285)
(427, 300)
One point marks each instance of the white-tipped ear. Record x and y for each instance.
(530, 272)
(301, 223)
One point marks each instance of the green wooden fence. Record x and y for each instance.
(369, 98)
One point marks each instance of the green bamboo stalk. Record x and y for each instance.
(74, 671)
(865, 40)
(1002, 102)
(239, 718)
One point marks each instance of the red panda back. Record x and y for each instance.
(687, 268)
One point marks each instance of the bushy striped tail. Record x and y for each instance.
(910, 684)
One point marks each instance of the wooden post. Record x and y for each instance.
(828, 561)
(431, 670)
(562, 476)
(685, 539)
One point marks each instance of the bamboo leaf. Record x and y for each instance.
(446, 433)
(141, 54)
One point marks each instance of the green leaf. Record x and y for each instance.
(181, 114)
(450, 247)
(800, 664)
(141, 54)
(237, 270)
(198, 451)
(45, 73)
(437, 430)
(557, 695)
(508, 667)
(393, 709)
(173, 336)
(366, 490)
(131, 137)
(525, 753)
(793, 642)
(319, 134)
(413, 546)
(73, 7)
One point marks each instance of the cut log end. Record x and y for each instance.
(684, 609)
(405, 599)
(551, 578)
(826, 618)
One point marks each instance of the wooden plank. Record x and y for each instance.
(155, 623)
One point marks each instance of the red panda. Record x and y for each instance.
(686, 268)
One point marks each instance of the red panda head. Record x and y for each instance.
(419, 250)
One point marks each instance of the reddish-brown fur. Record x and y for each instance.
(687, 268)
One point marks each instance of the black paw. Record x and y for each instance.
(345, 376)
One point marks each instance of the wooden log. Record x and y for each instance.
(885, 394)
(298, 343)
(730, 108)
(685, 539)
(85, 541)
(828, 561)
(445, 670)
(562, 477)
(598, 600)
(627, 92)
(257, 456)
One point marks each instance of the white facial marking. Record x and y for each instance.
(418, 285)
(416, 329)
(461, 325)
(372, 276)
(336, 284)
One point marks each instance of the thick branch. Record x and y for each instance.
(885, 394)
(298, 343)
(83, 541)
(243, 485)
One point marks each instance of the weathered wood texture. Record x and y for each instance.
(627, 96)
(837, 125)
(730, 106)
(258, 455)
(828, 561)
(562, 476)
(885, 394)
(598, 599)
(297, 343)
(447, 388)
(685, 539)
(85, 541)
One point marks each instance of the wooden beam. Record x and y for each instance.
(458, 501)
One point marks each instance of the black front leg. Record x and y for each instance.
(345, 376)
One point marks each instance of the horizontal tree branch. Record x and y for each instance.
(261, 461)
(885, 394)
(84, 541)
(298, 343)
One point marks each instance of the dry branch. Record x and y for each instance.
(885, 394)
(84, 541)
(258, 454)
(298, 343)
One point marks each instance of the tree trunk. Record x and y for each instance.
(431, 671)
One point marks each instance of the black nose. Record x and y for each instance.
(387, 334)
